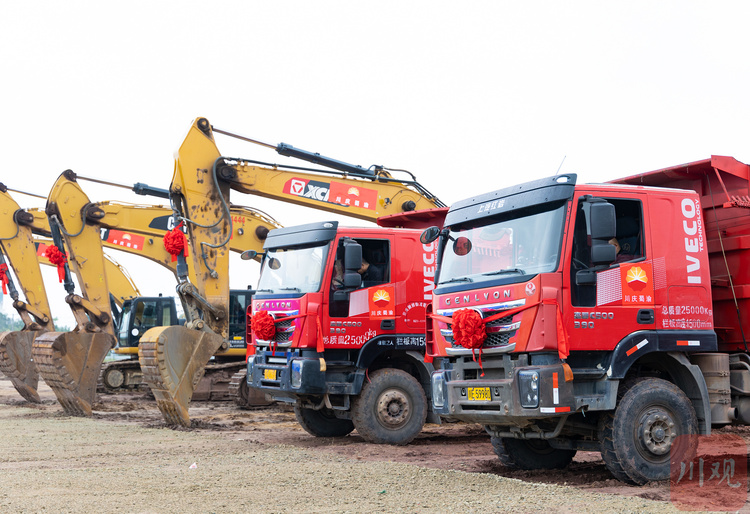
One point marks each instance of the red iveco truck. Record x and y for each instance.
(338, 323)
(609, 317)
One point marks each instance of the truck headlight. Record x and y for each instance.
(296, 380)
(528, 387)
(438, 389)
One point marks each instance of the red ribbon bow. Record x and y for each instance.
(57, 258)
(175, 242)
(4, 277)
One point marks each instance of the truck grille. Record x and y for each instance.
(499, 331)
(284, 330)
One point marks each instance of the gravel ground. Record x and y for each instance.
(53, 463)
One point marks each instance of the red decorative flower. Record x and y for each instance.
(263, 326)
(57, 258)
(4, 277)
(468, 329)
(175, 242)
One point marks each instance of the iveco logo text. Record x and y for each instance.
(692, 226)
(468, 298)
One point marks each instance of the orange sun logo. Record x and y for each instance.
(636, 274)
(381, 297)
(353, 191)
(636, 278)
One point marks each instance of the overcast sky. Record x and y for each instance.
(469, 96)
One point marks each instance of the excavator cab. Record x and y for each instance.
(142, 313)
(239, 301)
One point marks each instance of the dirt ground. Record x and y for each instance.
(448, 447)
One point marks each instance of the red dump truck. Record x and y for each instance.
(338, 322)
(610, 317)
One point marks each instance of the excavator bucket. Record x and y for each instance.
(69, 363)
(173, 360)
(17, 364)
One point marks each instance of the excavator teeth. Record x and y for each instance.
(70, 362)
(17, 364)
(173, 360)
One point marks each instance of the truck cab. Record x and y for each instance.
(345, 340)
(577, 317)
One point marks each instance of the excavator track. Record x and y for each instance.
(173, 360)
(121, 376)
(70, 362)
(17, 364)
(244, 396)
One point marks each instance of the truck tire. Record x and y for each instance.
(322, 423)
(391, 408)
(530, 454)
(639, 436)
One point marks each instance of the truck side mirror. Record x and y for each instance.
(248, 255)
(429, 235)
(603, 227)
(352, 256)
(352, 280)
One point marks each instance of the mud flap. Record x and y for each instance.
(70, 363)
(17, 364)
(173, 360)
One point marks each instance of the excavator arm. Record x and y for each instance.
(17, 250)
(70, 362)
(199, 192)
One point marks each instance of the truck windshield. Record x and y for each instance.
(526, 244)
(293, 270)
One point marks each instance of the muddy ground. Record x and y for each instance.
(447, 447)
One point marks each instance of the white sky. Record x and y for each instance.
(469, 96)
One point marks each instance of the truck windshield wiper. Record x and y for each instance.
(504, 271)
(290, 289)
(264, 290)
(458, 279)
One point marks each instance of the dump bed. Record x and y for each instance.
(724, 186)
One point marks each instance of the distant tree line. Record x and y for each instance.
(13, 323)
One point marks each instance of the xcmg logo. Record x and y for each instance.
(308, 189)
(333, 192)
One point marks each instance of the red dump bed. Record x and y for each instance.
(724, 186)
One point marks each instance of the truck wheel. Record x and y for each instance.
(391, 408)
(322, 423)
(530, 454)
(638, 437)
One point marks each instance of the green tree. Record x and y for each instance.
(8, 323)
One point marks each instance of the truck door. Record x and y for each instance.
(356, 314)
(609, 299)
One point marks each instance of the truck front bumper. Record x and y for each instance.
(288, 376)
(512, 392)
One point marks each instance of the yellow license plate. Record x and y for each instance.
(478, 394)
(270, 374)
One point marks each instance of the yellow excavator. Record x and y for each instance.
(22, 242)
(70, 362)
(174, 358)
(139, 230)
